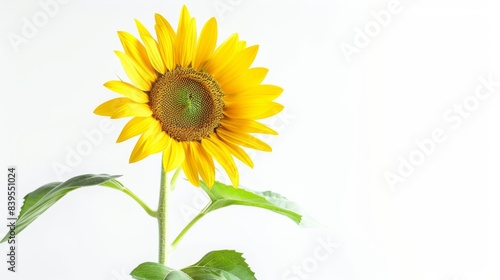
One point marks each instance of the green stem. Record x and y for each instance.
(189, 226)
(148, 210)
(162, 216)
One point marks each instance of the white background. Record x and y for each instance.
(349, 121)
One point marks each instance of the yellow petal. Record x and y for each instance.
(156, 144)
(250, 78)
(205, 164)
(189, 165)
(222, 54)
(252, 110)
(128, 91)
(122, 107)
(243, 139)
(219, 151)
(246, 126)
(185, 44)
(273, 110)
(190, 44)
(240, 45)
(139, 77)
(151, 48)
(137, 52)
(239, 153)
(184, 20)
(132, 110)
(138, 146)
(136, 126)
(185, 41)
(166, 47)
(109, 107)
(238, 64)
(154, 54)
(173, 156)
(256, 94)
(142, 30)
(139, 150)
(161, 21)
(206, 44)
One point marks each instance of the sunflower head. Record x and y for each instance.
(190, 100)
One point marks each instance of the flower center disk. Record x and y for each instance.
(188, 104)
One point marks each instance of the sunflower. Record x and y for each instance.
(190, 100)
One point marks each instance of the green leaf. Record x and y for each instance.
(216, 265)
(207, 273)
(224, 265)
(151, 271)
(223, 195)
(177, 275)
(38, 201)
